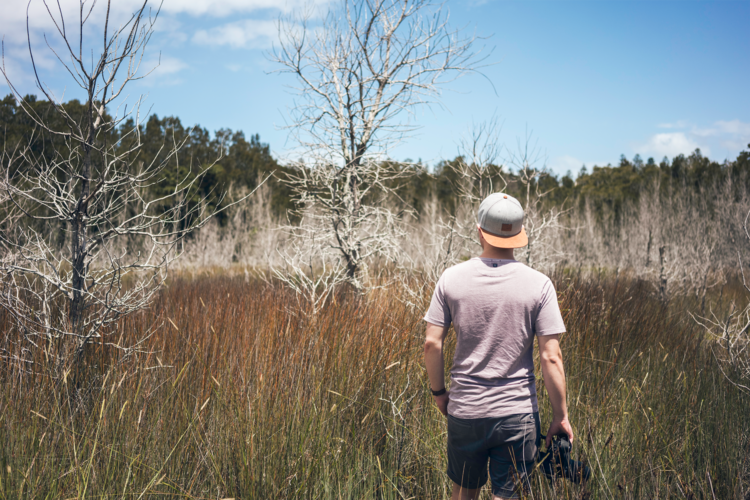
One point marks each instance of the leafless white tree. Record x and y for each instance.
(310, 271)
(360, 75)
(9, 213)
(98, 192)
(438, 240)
(431, 243)
(542, 224)
(478, 165)
(731, 334)
(480, 172)
(699, 237)
(249, 239)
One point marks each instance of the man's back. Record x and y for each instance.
(496, 307)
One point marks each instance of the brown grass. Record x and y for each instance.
(248, 396)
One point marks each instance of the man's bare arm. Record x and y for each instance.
(434, 362)
(554, 380)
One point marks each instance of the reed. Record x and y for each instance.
(248, 395)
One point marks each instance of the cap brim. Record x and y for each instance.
(516, 241)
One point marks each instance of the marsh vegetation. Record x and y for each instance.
(246, 395)
(185, 316)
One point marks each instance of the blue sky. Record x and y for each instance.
(592, 80)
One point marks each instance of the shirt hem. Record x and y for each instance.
(533, 407)
(544, 334)
(433, 322)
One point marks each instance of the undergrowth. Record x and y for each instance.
(247, 395)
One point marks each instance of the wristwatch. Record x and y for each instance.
(438, 393)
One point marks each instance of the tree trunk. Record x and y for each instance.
(79, 243)
(663, 274)
(353, 204)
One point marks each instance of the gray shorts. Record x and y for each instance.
(510, 443)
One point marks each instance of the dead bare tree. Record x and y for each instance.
(432, 243)
(360, 75)
(479, 173)
(97, 191)
(439, 240)
(9, 213)
(249, 237)
(731, 335)
(478, 163)
(542, 224)
(310, 271)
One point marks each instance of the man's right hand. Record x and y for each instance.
(559, 427)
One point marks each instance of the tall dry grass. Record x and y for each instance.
(247, 395)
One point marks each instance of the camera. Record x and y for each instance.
(556, 462)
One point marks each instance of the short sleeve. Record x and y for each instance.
(439, 313)
(549, 320)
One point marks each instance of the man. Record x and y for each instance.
(497, 306)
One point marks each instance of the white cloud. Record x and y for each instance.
(41, 21)
(16, 73)
(721, 128)
(170, 31)
(249, 33)
(162, 73)
(167, 66)
(562, 164)
(43, 29)
(677, 124)
(735, 145)
(735, 127)
(704, 132)
(14, 14)
(725, 137)
(671, 144)
(222, 8)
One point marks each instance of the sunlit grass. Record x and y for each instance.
(247, 396)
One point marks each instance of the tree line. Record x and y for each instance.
(607, 187)
(233, 160)
(238, 162)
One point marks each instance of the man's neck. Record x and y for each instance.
(490, 252)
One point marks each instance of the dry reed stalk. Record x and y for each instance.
(257, 399)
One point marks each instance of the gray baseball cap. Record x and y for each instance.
(500, 219)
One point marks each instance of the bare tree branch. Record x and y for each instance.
(731, 336)
(94, 187)
(360, 76)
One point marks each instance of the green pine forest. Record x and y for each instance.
(237, 161)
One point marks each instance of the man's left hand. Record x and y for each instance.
(442, 403)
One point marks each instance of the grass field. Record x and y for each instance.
(247, 395)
